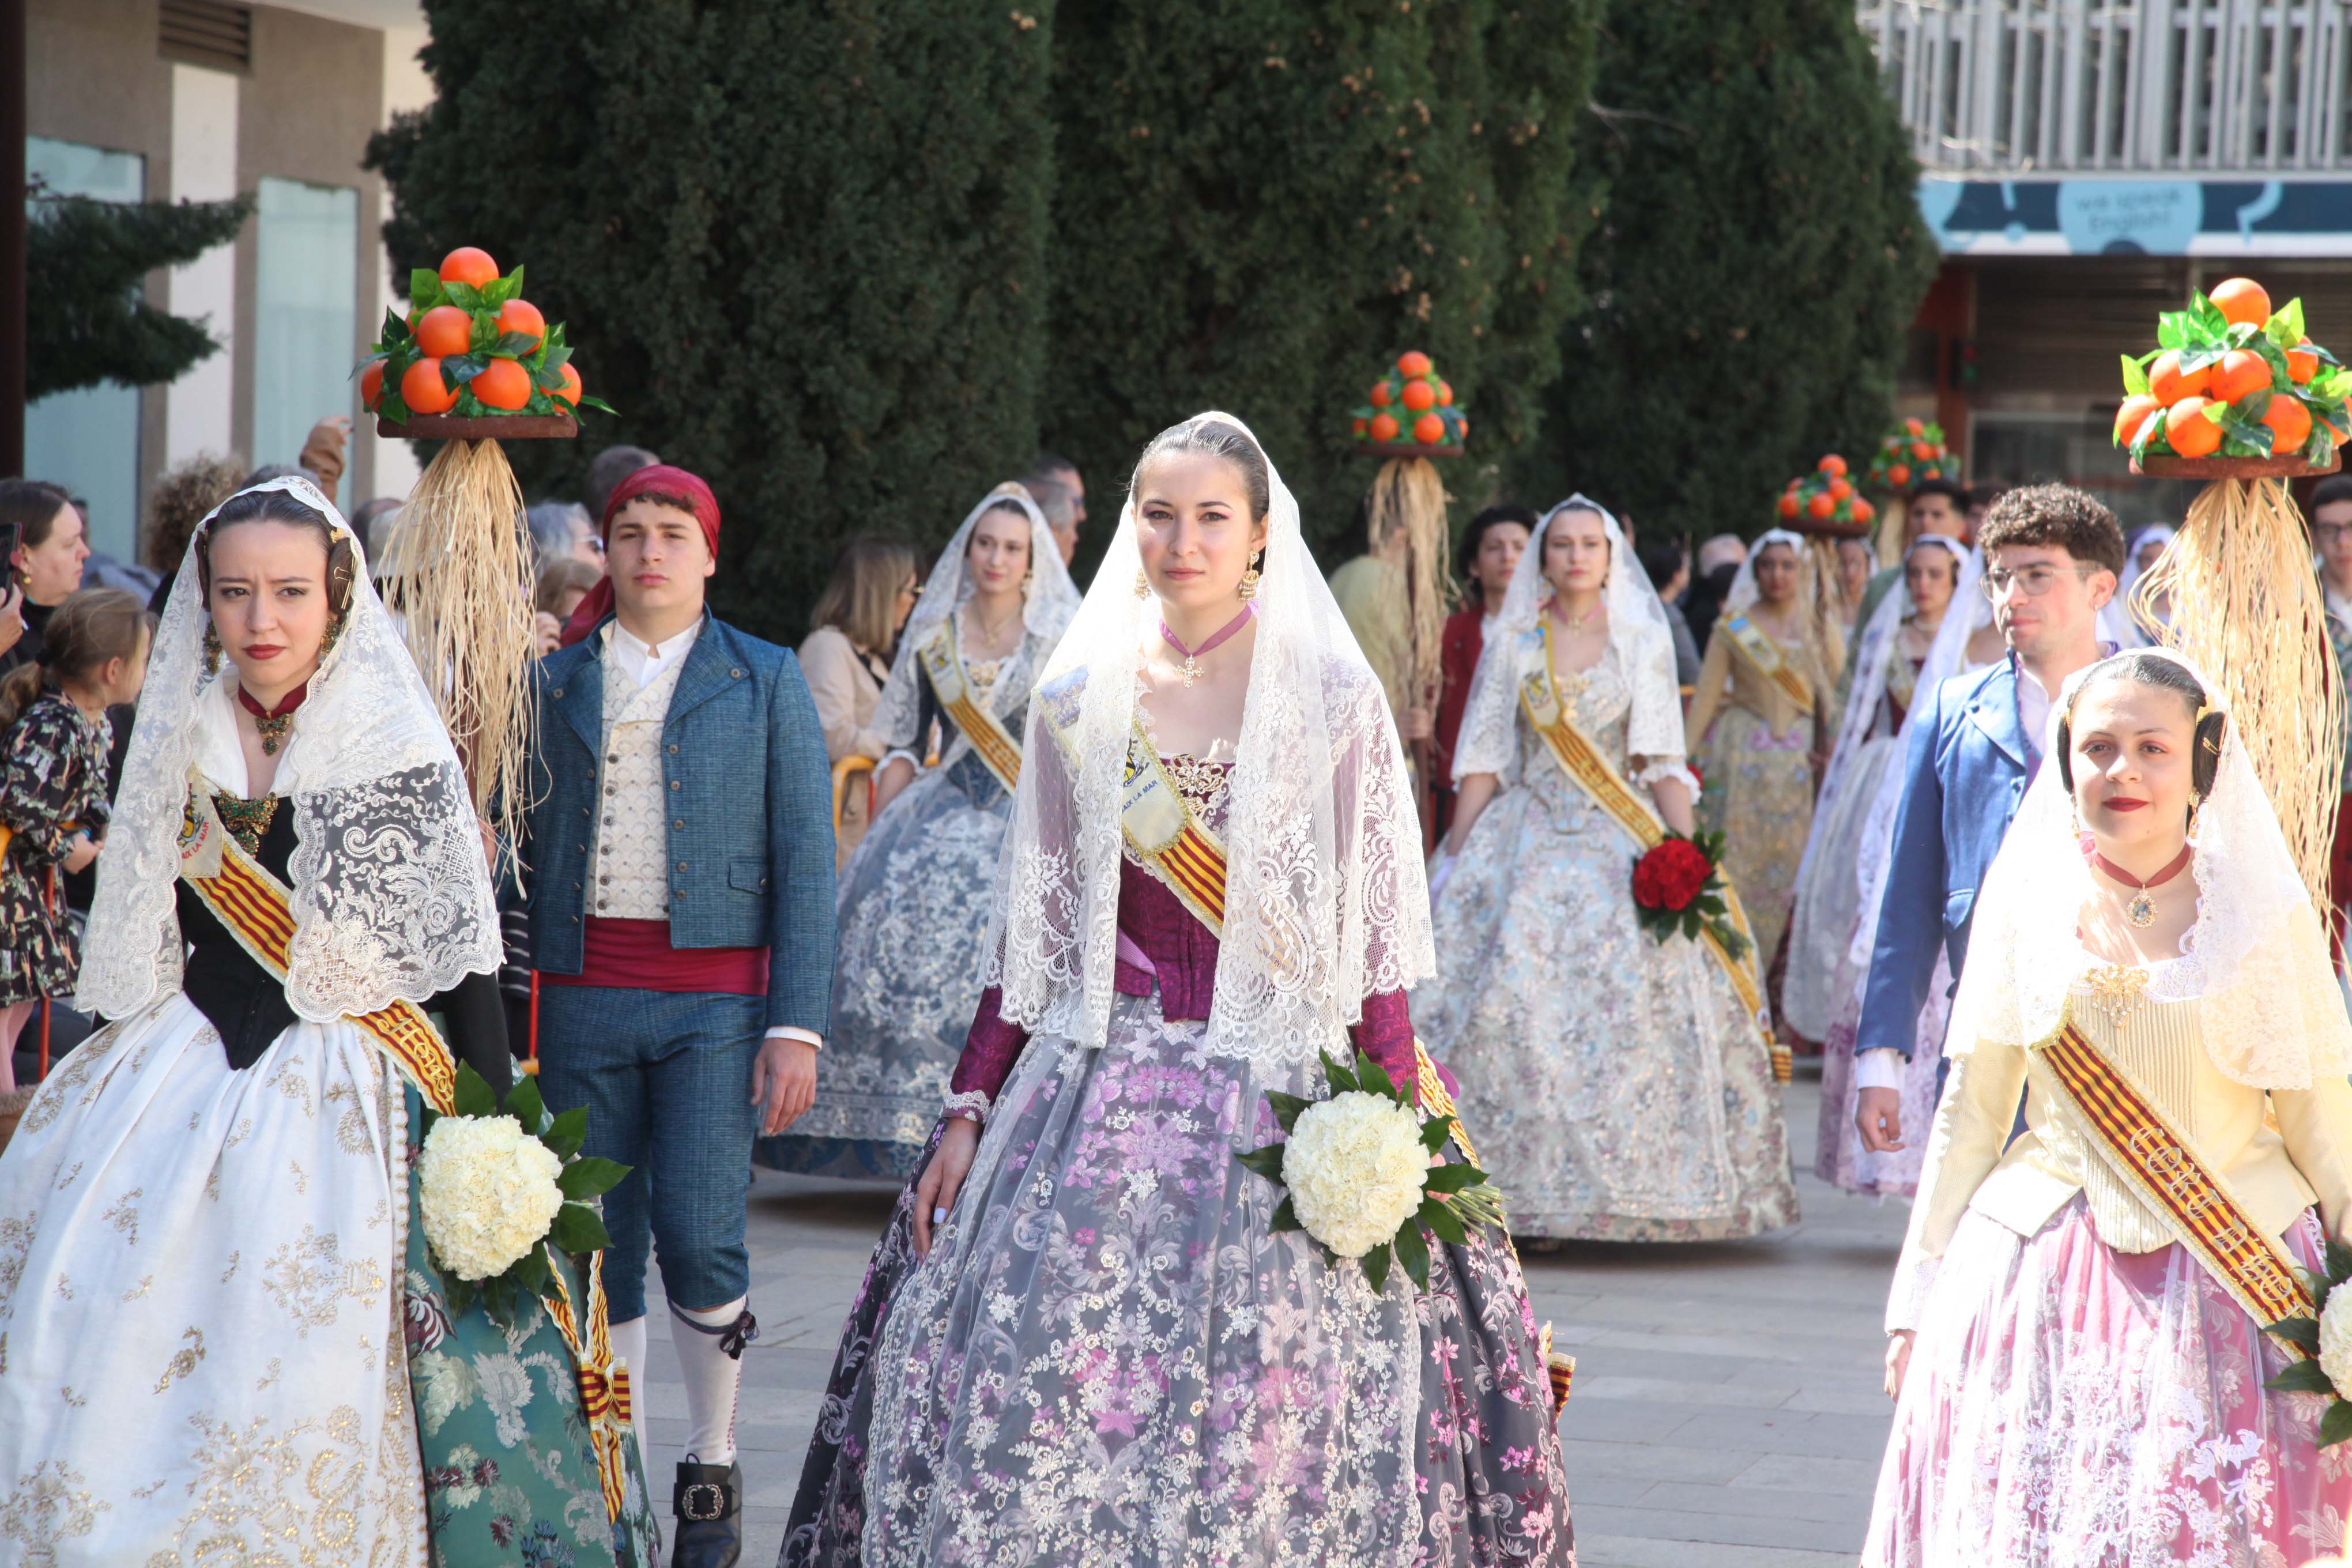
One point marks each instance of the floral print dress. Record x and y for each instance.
(52, 786)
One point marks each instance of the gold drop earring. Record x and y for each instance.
(1143, 584)
(1248, 587)
(212, 650)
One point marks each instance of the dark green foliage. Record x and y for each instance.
(1258, 203)
(798, 245)
(1761, 254)
(86, 263)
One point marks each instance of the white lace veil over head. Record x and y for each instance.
(1324, 902)
(391, 895)
(1049, 601)
(1743, 592)
(2255, 962)
(1638, 634)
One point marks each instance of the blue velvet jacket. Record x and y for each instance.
(1964, 775)
(750, 833)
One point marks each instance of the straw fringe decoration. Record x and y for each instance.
(1409, 499)
(2246, 606)
(459, 581)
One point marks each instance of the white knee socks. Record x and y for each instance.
(711, 1377)
(629, 1347)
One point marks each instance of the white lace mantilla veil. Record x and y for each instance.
(1052, 600)
(1325, 901)
(2255, 962)
(1874, 654)
(392, 896)
(1488, 740)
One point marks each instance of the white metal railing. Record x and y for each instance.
(2119, 85)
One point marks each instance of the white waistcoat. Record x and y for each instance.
(632, 881)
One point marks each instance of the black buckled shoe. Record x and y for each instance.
(708, 1503)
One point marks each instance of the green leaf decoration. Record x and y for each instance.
(1285, 1217)
(474, 1096)
(499, 1300)
(600, 405)
(499, 290)
(514, 345)
(524, 1104)
(2286, 326)
(1435, 1131)
(424, 289)
(567, 1132)
(2171, 330)
(1441, 1222)
(2336, 1424)
(2303, 1331)
(459, 1293)
(464, 296)
(2339, 1261)
(2205, 317)
(1413, 1251)
(579, 1229)
(1265, 1161)
(2135, 378)
(1372, 1078)
(1340, 1079)
(1376, 1266)
(2303, 1377)
(2198, 358)
(456, 370)
(531, 1271)
(1287, 1107)
(591, 1177)
(1453, 1178)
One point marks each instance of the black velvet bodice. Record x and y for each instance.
(248, 1006)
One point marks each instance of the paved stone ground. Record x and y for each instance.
(1726, 1411)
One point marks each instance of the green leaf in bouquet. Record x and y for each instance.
(499, 290)
(2135, 378)
(1413, 1251)
(567, 1132)
(464, 296)
(1286, 1107)
(513, 345)
(458, 1293)
(395, 328)
(1435, 1131)
(2249, 432)
(1372, 1078)
(2286, 326)
(1339, 1078)
(1441, 1222)
(1376, 1266)
(525, 1105)
(423, 289)
(474, 1095)
(2303, 1331)
(591, 1177)
(2302, 1377)
(579, 1229)
(2339, 1261)
(530, 1271)
(499, 1300)
(1265, 1161)
(1453, 1178)
(481, 332)
(1285, 1217)
(2172, 330)
(2205, 317)
(2336, 1424)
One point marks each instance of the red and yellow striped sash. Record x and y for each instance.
(1172, 842)
(2148, 1155)
(257, 910)
(1590, 770)
(995, 745)
(1764, 655)
(604, 1385)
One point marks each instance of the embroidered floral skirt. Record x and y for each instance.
(1757, 790)
(1839, 1157)
(1109, 1360)
(2072, 1406)
(1829, 898)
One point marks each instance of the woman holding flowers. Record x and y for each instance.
(224, 1337)
(2078, 1326)
(1083, 1338)
(1621, 1087)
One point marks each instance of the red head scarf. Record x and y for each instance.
(662, 480)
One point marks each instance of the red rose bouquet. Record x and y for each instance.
(1678, 888)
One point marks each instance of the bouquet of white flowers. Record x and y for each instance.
(1363, 1176)
(2325, 1342)
(499, 1185)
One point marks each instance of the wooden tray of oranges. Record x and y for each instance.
(473, 359)
(2234, 390)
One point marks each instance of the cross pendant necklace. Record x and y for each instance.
(1191, 669)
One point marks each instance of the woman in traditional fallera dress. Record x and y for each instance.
(224, 1340)
(2081, 1376)
(914, 898)
(1619, 1088)
(1105, 1356)
(1754, 724)
(1893, 652)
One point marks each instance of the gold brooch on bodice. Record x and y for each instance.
(2116, 990)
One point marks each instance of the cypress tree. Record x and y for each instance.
(799, 247)
(1761, 253)
(86, 262)
(1259, 203)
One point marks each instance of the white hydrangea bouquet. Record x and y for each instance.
(2326, 1340)
(499, 1184)
(1361, 1173)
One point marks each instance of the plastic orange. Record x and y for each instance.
(1831, 465)
(1445, 394)
(1379, 394)
(2242, 300)
(570, 390)
(1789, 505)
(2132, 415)
(1839, 490)
(503, 384)
(1861, 510)
(2290, 423)
(421, 390)
(1384, 427)
(1899, 474)
(2238, 372)
(372, 385)
(469, 264)
(522, 316)
(1462, 429)
(1820, 506)
(445, 329)
(1914, 427)
(1412, 363)
(2168, 384)
(1420, 396)
(2300, 366)
(2189, 432)
(1429, 429)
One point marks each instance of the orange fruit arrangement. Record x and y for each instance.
(1412, 404)
(2231, 377)
(1825, 501)
(1912, 452)
(470, 346)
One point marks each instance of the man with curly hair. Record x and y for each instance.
(2052, 555)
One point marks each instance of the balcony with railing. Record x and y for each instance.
(2182, 87)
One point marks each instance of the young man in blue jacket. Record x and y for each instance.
(681, 921)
